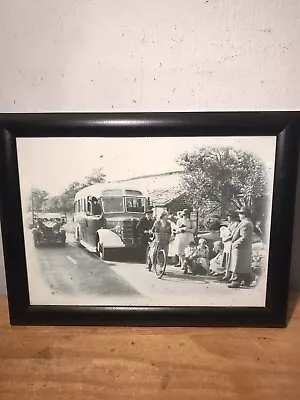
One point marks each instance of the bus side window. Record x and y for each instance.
(89, 206)
(97, 209)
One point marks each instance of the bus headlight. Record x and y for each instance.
(118, 229)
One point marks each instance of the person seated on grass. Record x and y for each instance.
(203, 256)
(191, 255)
(216, 264)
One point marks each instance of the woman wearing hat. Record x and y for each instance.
(184, 235)
(241, 250)
(162, 232)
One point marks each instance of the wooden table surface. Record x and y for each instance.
(149, 363)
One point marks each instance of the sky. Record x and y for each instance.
(53, 163)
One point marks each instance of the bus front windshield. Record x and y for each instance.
(135, 204)
(113, 204)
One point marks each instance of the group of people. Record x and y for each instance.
(232, 260)
(173, 233)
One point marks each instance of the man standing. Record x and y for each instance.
(143, 227)
(241, 250)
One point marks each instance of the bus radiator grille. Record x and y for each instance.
(128, 237)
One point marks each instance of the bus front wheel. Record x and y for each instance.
(101, 251)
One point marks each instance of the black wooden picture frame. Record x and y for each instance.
(283, 125)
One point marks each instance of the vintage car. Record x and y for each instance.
(49, 228)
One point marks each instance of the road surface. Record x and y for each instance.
(72, 275)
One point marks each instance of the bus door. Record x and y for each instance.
(94, 219)
(80, 217)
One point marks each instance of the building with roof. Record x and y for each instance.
(153, 182)
(164, 190)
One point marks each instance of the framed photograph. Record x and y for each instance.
(148, 219)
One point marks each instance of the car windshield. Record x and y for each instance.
(135, 204)
(113, 204)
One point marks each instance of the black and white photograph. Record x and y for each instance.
(147, 221)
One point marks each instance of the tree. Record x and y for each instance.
(38, 199)
(225, 177)
(53, 204)
(58, 204)
(66, 199)
(69, 194)
(96, 176)
(64, 202)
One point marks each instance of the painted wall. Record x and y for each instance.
(97, 55)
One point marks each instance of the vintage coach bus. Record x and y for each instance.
(106, 216)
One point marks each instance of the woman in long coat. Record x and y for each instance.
(241, 250)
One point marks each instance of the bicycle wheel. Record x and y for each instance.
(161, 263)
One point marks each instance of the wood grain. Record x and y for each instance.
(149, 363)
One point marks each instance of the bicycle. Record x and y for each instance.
(156, 258)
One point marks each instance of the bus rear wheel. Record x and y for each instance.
(77, 237)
